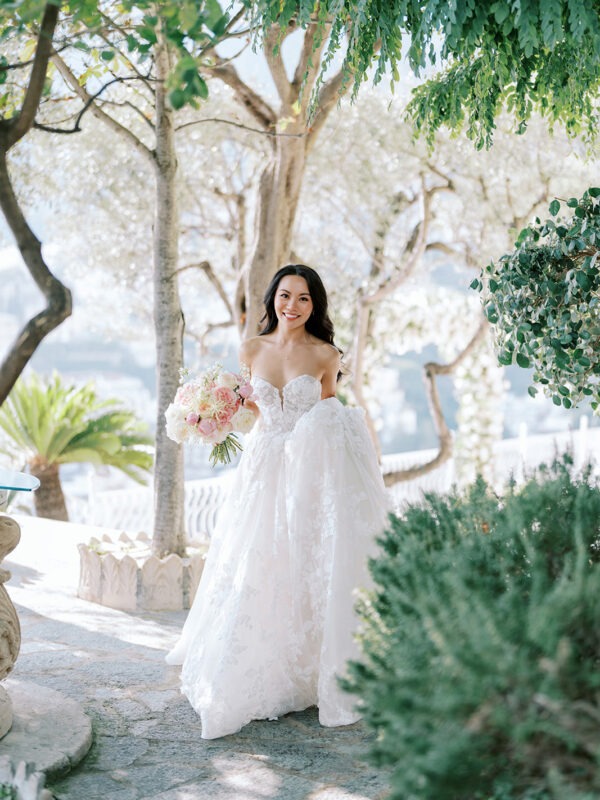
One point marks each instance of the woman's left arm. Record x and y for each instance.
(329, 379)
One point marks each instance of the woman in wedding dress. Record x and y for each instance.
(272, 624)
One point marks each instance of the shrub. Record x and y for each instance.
(481, 644)
(543, 302)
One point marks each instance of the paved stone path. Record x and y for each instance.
(146, 736)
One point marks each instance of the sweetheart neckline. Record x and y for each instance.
(284, 387)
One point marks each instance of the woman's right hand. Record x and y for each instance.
(252, 406)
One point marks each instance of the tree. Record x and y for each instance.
(405, 228)
(543, 301)
(291, 138)
(482, 57)
(49, 423)
(148, 59)
(18, 109)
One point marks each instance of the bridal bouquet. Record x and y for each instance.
(210, 409)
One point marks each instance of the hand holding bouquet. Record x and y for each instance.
(210, 409)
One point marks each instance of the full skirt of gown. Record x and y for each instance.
(272, 624)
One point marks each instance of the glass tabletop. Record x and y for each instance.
(17, 481)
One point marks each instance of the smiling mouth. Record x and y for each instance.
(291, 316)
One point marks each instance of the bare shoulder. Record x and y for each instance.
(248, 350)
(329, 355)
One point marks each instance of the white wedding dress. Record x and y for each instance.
(273, 619)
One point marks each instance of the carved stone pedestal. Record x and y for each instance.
(28, 784)
(10, 630)
(124, 574)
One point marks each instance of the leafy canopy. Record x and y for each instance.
(482, 55)
(543, 301)
(112, 34)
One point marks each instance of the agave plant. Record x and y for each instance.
(45, 423)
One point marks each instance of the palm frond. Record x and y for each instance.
(60, 423)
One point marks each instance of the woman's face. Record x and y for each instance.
(293, 303)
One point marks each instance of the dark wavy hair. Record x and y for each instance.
(319, 323)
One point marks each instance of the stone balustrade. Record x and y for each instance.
(132, 509)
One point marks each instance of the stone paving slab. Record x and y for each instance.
(147, 743)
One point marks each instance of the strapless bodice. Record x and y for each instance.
(281, 412)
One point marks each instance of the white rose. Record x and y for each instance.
(216, 437)
(228, 379)
(177, 428)
(243, 420)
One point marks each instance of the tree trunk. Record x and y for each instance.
(58, 297)
(49, 499)
(279, 193)
(169, 526)
(359, 371)
(281, 180)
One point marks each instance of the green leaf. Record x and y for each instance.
(177, 98)
(554, 207)
(583, 280)
(107, 55)
(523, 361)
(532, 391)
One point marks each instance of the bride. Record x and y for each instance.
(272, 624)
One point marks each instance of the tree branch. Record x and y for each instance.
(22, 123)
(210, 327)
(431, 370)
(415, 249)
(58, 297)
(305, 57)
(131, 64)
(262, 132)
(252, 102)
(88, 99)
(208, 270)
(275, 63)
(76, 127)
(330, 93)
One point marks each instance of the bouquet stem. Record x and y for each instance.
(223, 452)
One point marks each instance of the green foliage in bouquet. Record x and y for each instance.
(480, 673)
(223, 452)
(543, 301)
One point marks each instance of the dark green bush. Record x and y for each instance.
(481, 644)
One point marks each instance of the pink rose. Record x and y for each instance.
(225, 395)
(224, 416)
(192, 418)
(206, 427)
(245, 390)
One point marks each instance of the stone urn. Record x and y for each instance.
(10, 630)
(123, 573)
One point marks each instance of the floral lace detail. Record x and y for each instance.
(280, 412)
(272, 625)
